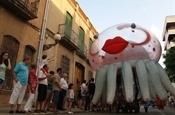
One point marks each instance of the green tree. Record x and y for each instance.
(169, 62)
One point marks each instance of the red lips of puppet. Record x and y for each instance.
(114, 46)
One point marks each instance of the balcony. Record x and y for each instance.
(69, 38)
(170, 22)
(82, 52)
(171, 34)
(169, 38)
(24, 9)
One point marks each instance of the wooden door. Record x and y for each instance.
(79, 76)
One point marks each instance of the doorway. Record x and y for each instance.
(79, 76)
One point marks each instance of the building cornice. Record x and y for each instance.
(81, 13)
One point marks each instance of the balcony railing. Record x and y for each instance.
(69, 38)
(171, 34)
(24, 9)
(82, 52)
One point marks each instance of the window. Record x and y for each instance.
(65, 63)
(29, 51)
(81, 39)
(90, 74)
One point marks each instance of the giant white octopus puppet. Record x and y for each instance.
(124, 47)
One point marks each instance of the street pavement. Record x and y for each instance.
(77, 111)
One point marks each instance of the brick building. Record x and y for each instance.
(20, 25)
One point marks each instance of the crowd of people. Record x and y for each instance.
(47, 90)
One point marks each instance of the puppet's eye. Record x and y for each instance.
(96, 36)
(133, 26)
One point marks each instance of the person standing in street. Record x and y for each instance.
(42, 88)
(4, 64)
(64, 88)
(83, 92)
(48, 100)
(70, 98)
(91, 88)
(33, 82)
(87, 98)
(56, 91)
(20, 75)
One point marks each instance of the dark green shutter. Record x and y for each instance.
(81, 40)
(68, 25)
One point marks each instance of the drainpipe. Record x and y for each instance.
(43, 32)
(41, 41)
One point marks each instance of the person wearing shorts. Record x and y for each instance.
(20, 75)
(42, 88)
(83, 93)
(48, 101)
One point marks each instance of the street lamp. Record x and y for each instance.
(57, 38)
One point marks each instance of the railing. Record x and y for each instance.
(25, 9)
(83, 49)
(31, 5)
(67, 33)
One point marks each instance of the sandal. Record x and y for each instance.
(37, 111)
(11, 111)
(20, 111)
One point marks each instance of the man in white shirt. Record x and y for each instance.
(64, 87)
(83, 93)
(42, 88)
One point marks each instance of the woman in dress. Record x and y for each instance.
(32, 85)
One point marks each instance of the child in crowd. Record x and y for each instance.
(70, 97)
(46, 60)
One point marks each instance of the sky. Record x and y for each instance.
(150, 14)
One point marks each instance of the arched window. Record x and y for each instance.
(29, 51)
(65, 63)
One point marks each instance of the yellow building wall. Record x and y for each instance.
(56, 16)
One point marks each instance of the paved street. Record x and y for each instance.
(151, 111)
